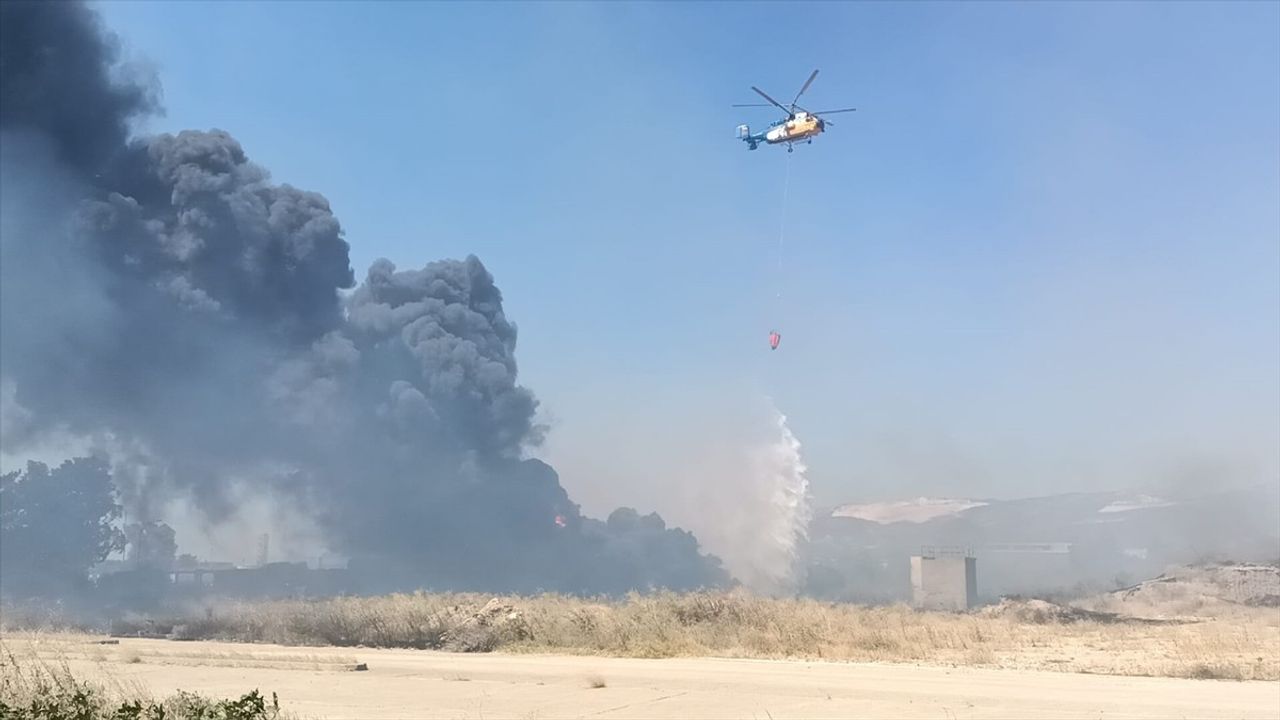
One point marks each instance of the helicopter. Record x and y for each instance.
(800, 125)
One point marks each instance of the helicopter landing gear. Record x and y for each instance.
(791, 148)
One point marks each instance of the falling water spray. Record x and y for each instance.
(782, 469)
(760, 517)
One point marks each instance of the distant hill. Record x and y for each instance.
(1057, 543)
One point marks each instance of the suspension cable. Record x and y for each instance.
(782, 234)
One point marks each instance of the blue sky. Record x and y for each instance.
(1044, 255)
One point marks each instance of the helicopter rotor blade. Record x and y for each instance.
(804, 87)
(751, 105)
(775, 103)
(825, 121)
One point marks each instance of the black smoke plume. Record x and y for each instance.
(164, 296)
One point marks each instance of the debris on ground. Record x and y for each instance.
(485, 629)
(1043, 612)
(1256, 585)
(1195, 592)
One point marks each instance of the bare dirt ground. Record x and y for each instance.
(319, 683)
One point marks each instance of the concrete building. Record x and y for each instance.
(944, 580)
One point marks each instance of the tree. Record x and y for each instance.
(150, 545)
(55, 525)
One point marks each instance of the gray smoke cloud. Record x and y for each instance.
(165, 294)
(56, 65)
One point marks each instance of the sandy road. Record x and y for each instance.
(418, 684)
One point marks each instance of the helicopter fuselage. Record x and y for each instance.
(802, 126)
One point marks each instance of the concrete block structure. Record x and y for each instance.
(944, 581)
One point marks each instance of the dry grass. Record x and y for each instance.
(18, 617)
(27, 678)
(1236, 645)
(34, 687)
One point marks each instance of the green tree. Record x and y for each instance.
(55, 525)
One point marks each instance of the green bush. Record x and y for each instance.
(34, 691)
(82, 703)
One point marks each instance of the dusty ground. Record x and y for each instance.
(318, 683)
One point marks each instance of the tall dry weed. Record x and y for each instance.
(739, 624)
